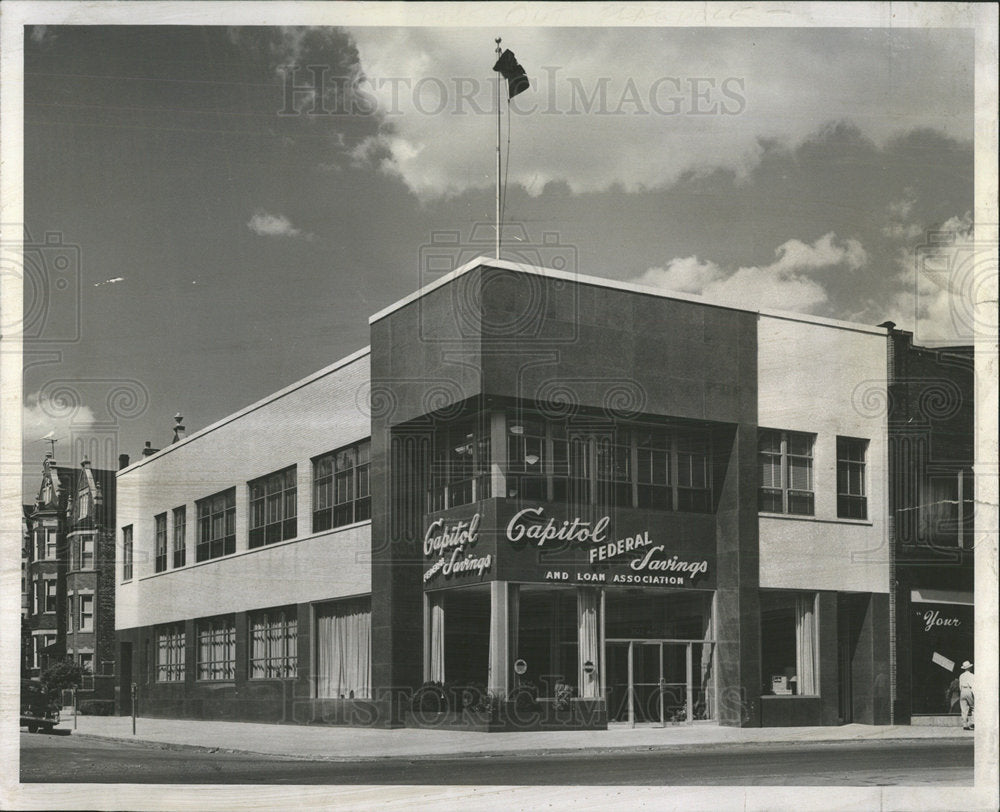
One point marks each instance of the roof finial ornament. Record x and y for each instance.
(179, 428)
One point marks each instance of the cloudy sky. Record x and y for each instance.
(229, 224)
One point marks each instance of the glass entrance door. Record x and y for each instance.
(653, 681)
(647, 676)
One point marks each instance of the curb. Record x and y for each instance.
(515, 754)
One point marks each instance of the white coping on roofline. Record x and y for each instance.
(616, 285)
(343, 362)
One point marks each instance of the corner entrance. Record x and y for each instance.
(658, 681)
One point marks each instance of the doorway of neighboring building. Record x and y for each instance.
(845, 653)
(125, 679)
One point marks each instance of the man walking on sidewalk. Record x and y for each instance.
(966, 697)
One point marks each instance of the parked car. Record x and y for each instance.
(38, 710)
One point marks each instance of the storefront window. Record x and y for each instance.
(789, 644)
(942, 637)
(170, 654)
(547, 638)
(216, 649)
(273, 644)
(343, 649)
(467, 635)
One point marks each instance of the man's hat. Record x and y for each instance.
(966, 664)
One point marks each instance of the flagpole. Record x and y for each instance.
(498, 158)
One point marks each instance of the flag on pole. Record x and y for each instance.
(517, 79)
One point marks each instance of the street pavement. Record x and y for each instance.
(54, 759)
(351, 743)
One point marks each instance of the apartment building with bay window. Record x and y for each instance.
(629, 505)
(69, 584)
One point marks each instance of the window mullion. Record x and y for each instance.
(674, 472)
(784, 472)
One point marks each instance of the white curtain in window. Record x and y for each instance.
(587, 621)
(437, 637)
(343, 645)
(805, 644)
(498, 673)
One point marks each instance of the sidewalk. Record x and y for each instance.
(350, 744)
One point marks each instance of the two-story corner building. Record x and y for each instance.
(70, 574)
(660, 508)
(244, 575)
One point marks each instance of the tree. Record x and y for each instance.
(63, 675)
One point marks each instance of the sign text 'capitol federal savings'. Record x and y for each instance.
(639, 558)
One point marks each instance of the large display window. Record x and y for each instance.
(942, 638)
(547, 638)
(789, 644)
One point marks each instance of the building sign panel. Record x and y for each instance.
(452, 551)
(551, 543)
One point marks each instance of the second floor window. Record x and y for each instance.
(86, 616)
(786, 472)
(180, 539)
(160, 535)
(852, 499)
(609, 464)
(273, 508)
(460, 463)
(340, 487)
(216, 525)
(127, 553)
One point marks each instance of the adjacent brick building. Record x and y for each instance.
(70, 593)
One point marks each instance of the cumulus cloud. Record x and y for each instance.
(898, 225)
(274, 225)
(784, 284)
(796, 255)
(42, 414)
(671, 104)
(941, 282)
